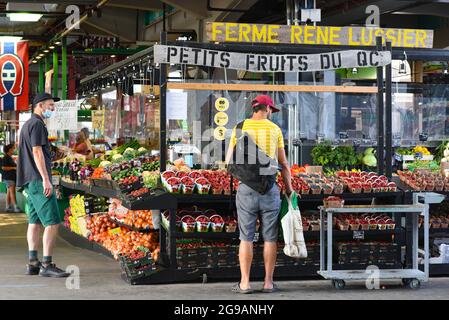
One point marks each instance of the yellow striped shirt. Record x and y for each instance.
(266, 134)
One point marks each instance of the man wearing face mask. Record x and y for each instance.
(34, 176)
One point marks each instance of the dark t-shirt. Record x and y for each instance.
(8, 174)
(34, 133)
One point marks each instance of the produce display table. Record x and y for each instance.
(410, 277)
(169, 271)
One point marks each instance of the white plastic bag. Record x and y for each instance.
(295, 245)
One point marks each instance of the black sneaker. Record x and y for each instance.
(53, 272)
(33, 269)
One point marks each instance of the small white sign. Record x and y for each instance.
(176, 105)
(313, 15)
(65, 116)
(55, 180)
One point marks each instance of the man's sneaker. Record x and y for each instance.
(9, 210)
(33, 269)
(53, 272)
(17, 210)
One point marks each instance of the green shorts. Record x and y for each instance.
(42, 210)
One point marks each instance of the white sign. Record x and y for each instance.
(176, 105)
(65, 116)
(271, 62)
(186, 149)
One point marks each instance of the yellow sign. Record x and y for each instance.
(221, 119)
(219, 133)
(98, 119)
(318, 35)
(222, 104)
(115, 231)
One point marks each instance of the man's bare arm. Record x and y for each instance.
(286, 174)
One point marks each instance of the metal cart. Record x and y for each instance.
(410, 277)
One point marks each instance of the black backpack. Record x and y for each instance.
(250, 165)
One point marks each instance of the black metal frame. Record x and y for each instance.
(380, 113)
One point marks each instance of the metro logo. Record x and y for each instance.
(12, 75)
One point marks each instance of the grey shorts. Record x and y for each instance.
(9, 183)
(250, 205)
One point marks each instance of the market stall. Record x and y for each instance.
(172, 218)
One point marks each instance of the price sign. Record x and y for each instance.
(256, 237)
(55, 180)
(221, 119)
(65, 116)
(115, 231)
(357, 142)
(219, 133)
(423, 136)
(418, 155)
(344, 135)
(397, 157)
(98, 119)
(358, 235)
(222, 104)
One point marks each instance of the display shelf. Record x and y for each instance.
(381, 208)
(202, 198)
(437, 269)
(400, 157)
(408, 190)
(206, 235)
(350, 196)
(158, 200)
(382, 274)
(165, 200)
(343, 235)
(132, 228)
(308, 235)
(168, 275)
(81, 242)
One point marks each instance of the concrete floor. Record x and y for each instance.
(100, 279)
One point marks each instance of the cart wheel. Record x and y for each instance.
(338, 284)
(414, 284)
(204, 278)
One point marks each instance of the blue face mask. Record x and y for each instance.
(47, 114)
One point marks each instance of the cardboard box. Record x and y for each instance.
(314, 169)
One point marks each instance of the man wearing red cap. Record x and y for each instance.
(251, 203)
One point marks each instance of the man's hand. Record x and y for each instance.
(48, 188)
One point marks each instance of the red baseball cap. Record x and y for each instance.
(265, 100)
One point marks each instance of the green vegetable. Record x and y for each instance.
(370, 159)
(439, 151)
(95, 163)
(404, 152)
(117, 158)
(322, 154)
(342, 157)
(104, 164)
(133, 144)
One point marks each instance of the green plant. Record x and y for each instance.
(322, 154)
(342, 157)
(439, 151)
